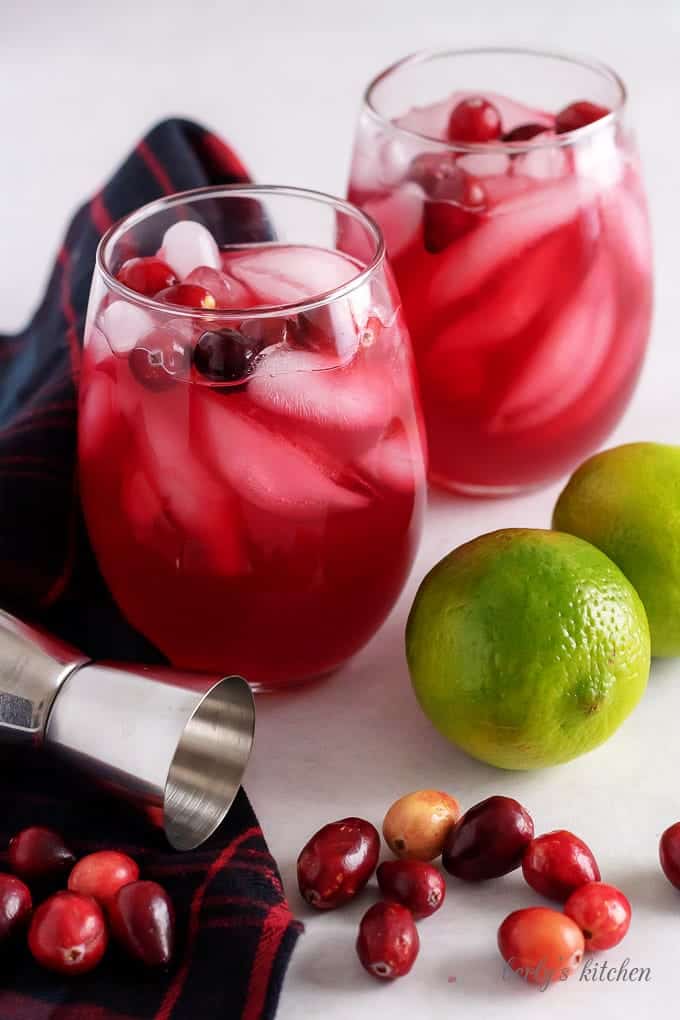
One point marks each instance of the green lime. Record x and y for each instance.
(626, 501)
(527, 648)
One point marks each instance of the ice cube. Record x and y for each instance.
(395, 461)
(399, 215)
(228, 292)
(286, 274)
(97, 416)
(430, 121)
(542, 162)
(124, 324)
(187, 245)
(627, 225)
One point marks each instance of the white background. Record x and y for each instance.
(79, 83)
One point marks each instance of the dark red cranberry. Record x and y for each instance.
(146, 275)
(337, 862)
(143, 922)
(159, 359)
(37, 853)
(557, 863)
(669, 854)
(474, 120)
(15, 906)
(444, 223)
(489, 840)
(578, 115)
(417, 885)
(102, 874)
(68, 933)
(226, 355)
(523, 133)
(189, 295)
(388, 942)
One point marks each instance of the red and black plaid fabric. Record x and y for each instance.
(235, 927)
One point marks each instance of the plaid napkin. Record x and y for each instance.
(235, 928)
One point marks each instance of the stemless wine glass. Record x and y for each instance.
(252, 469)
(518, 232)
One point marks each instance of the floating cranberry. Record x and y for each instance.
(388, 942)
(68, 933)
(524, 133)
(337, 862)
(146, 275)
(160, 359)
(226, 355)
(602, 913)
(37, 853)
(489, 840)
(540, 945)
(102, 874)
(444, 223)
(415, 884)
(669, 854)
(15, 906)
(189, 295)
(578, 115)
(557, 863)
(143, 922)
(474, 120)
(417, 824)
(437, 173)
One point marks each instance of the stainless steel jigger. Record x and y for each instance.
(174, 743)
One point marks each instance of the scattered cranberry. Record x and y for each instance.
(146, 275)
(102, 874)
(225, 355)
(337, 862)
(489, 840)
(524, 133)
(388, 942)
(190, 295)
(474, 120)
(416, 825)
(37, 853)
(669, 854)
(160, 359)
(415, 884)
(602, 913)
(557, 863)
(541, 945)
(15, 906)
(578, 115)
(68, 933)
(143, 922)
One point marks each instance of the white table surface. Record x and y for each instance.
(78, 84)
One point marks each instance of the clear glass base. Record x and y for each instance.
(480, 491)
(291, 686)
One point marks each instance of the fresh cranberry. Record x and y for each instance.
(143, 921)
(388, 943)
(160, 359)
(541, 945)
(15, 906)
(602, 913)
(146, 275)
(437, 173)
(489, 840)
(669, 854)
(37, 853)
(190, 295)
(417, 885)
(337, 862)
(557, 863)
(102, 874)
(578, 115)
(68, 933)
(444, 223)
(474, 120)
(417, 824)
(524, 133)
(225, 355)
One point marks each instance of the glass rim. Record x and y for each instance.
(114, 233)
(568, 138)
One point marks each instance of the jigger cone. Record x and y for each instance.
(174, 743)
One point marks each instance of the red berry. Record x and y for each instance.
(557, 863)
(160, 359)
(417, 885)
(190, 295)
(146, 275)
(446, 221)
(37, 853)
(577, 115)
(540, 945)
(474, 120)
(489, 840)
(602, 913)
(524, 132)
(388, 943)
(68, 933)
(143, 922)
(337, 862)
(437, 173)
(669, 854)
(225, 355)
(102, 874)
(15, 906)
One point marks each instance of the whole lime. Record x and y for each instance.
(527, 648)
(626, 501)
